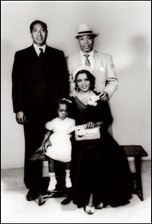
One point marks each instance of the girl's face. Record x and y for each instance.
(62, 111)
(83, 83)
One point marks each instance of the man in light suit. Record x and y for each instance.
(101, 64)
(39, 79)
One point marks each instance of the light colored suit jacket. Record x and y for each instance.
(103, 70)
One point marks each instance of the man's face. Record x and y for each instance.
(86, 43)
(39, 34)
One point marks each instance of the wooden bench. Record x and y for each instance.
(60, 191)
(135, 151)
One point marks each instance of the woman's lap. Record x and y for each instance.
(101, 168)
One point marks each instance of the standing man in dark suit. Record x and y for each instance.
(39, 79)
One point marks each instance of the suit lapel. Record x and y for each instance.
(32, 53)
(97, 60)
(77, 59)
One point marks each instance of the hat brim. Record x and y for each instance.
(86, 34)
(79, 68)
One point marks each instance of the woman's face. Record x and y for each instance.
(83, 83)
(62, 111)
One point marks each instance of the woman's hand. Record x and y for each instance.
(99, 123)
(90, 124)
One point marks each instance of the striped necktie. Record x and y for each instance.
(87, 62)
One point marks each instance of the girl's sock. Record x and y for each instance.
(68, 183)
(53, 182)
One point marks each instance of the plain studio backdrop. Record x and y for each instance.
(124, 29)
(125, 33)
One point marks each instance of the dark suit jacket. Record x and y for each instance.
(36, 85)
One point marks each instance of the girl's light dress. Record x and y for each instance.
(60, 149)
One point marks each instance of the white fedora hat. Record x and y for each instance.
(85, 29)
(79, 68)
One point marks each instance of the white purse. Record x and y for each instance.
(82, 133)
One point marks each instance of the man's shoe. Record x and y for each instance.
(31, 195)
(66, 201)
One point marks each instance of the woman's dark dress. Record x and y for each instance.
(99, 166)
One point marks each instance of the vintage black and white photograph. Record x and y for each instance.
(76, 112)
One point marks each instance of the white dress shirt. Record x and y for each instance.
(37, 48)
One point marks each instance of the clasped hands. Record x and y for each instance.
(92, 124)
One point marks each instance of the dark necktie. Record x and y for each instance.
(41, 53)
(87, 62)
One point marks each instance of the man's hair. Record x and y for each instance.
(35, 22)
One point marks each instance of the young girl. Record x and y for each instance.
(57, 143)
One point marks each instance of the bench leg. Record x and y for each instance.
(138, 189)
(41, 200)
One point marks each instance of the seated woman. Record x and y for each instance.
(100, 171)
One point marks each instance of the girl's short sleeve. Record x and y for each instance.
(49, 125)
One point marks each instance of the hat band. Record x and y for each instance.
(85, 32)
